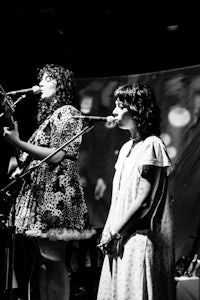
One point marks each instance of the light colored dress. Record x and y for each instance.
(50, 203)
(144, 269)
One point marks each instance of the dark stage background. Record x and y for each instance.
(178, 92)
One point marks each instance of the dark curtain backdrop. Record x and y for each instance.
(178, 93)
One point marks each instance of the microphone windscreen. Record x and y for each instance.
(110, 119)
(36, 89)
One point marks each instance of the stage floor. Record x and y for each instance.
(84, 286)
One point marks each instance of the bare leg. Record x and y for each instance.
(54, 280)
(43, 283)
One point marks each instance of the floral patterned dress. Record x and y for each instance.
(143, 270)
(50, 203)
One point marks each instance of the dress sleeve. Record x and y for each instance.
(64, 128)
(154, 153)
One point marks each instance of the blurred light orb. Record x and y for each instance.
(179, 116)
(166, 138)
(86, 104)
(173, 27)
(172, 152)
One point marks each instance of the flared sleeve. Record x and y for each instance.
(154, 153)
(65, 128)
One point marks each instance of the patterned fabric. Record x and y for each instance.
(144, 268)
(50, 203)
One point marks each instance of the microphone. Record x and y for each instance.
(35, 89)
(108, 119)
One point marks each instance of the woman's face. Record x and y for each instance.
(123, 117)
(48, 87)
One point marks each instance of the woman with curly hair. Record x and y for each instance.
(137, 238)
(50, 206)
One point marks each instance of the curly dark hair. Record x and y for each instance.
(141, 102)
(65, 90)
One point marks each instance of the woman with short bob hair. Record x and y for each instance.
(137, 238)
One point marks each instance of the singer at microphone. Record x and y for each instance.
(108, 119)
(35, 89)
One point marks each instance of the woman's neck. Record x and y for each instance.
(134, 134)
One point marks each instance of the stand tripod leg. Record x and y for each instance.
(10, 263)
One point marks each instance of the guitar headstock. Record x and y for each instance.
(8, 108)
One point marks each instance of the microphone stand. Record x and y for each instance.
(11, 231)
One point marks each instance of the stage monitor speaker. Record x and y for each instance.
(188, 288)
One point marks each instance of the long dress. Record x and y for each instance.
(50, 203)
(144, 269)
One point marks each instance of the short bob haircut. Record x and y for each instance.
(141, 103)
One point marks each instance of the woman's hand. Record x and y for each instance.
(12, 136)
(99, 189)
(110, 245)
(16, 173)
(105, 239)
